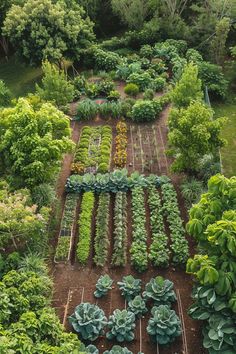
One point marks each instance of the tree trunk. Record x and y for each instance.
(5, 45)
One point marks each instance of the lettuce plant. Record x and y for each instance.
(164, 325)
(121, 326)
(89, 321)
(104, 284)
(160, 291)
(130, 287)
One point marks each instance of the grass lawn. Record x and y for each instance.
(229, 133)
(18, 77)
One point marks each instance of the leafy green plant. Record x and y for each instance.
(137, 306)
(160, 291)
(89, 321)
(131, 89)
(159, 251)
(148, 94)
(171, 210)
(105, 60)
(86, 110)
(5, 94)
(130, 287)
(101, 241)
(114, 95)
(104, 284)
(105, 87)
(120, 230)
(110, 109)
(164, 326)
(85, 219)
(143, 111)
(138, 251)
(116, 349)
(158, 84)
(142, 80)
(121, 326)
(91, 349)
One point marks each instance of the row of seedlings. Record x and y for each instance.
(119, 256)
(139, 254)
(85, 227)
(93, 151)
(101, 242)
(66, 229)
(159, 252)
(121, 141)
(179, 244)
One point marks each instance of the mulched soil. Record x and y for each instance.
(74, 284)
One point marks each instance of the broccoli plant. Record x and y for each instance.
(116, 349)
(104, 284)
(164, 326)
(130, 287)
(89, 321)
(121, 325)
(137, 306)
(160, 291)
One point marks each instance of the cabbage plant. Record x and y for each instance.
(116, 349)
(104, 284)
(89, 321)
(137, 306)
(160, 291)
(121, 326)
(130, 287)
(164, 325)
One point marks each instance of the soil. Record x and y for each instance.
(74, 284)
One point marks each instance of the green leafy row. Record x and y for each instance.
(67, 223)
(159, 251)
(171, 210)
(120, 230)
(102, 231)
(85, 223)
(139, 255)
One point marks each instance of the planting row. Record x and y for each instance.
(93, 151)
(90, 321)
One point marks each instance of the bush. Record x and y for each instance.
(105, 87)
(86, 110)
(5, 94)
(143, 80)
(43, 195)
(114, 95)
(79, 83)
(131, 90)
(143, 111)
(146, 51)
(106, 60)
(158, 83)
(148, 94)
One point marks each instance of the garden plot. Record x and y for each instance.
(147, 152)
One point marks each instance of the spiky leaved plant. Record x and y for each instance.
(130, 287)
(160, 291)
(116, 349)
(89, 321)
(137, 306)
(104, 284)
(164, 326)
(121, 326)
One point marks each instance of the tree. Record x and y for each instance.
(132, 12)
(218, 43)
(188, 88)
(193, 134)
(55, 86)
(33, 142)
(45, 29)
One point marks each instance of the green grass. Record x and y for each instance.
(18, 77)
(228, 153)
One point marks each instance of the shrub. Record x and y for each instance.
(104, 284)
(89, 321)
(105, 87)
(79, 83)
(106, 60)
(143, 111)
(114, 95)
(146, 51)
(164, 326)
(5, 94)
(148, 94)
(158, 83)
(43, 195)
(86, 110)
(121, 326)
(143, 81)
(131, 89)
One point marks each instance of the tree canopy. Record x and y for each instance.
(45, 29)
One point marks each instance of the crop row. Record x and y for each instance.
(120, 157)
(63, 246)
(139, 255)
(93, 151)
(171, 210)
(120, 230)
(85, 227)
(159, 251)
(102, 230)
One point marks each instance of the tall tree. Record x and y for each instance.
(218, 43)
(45, 29)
